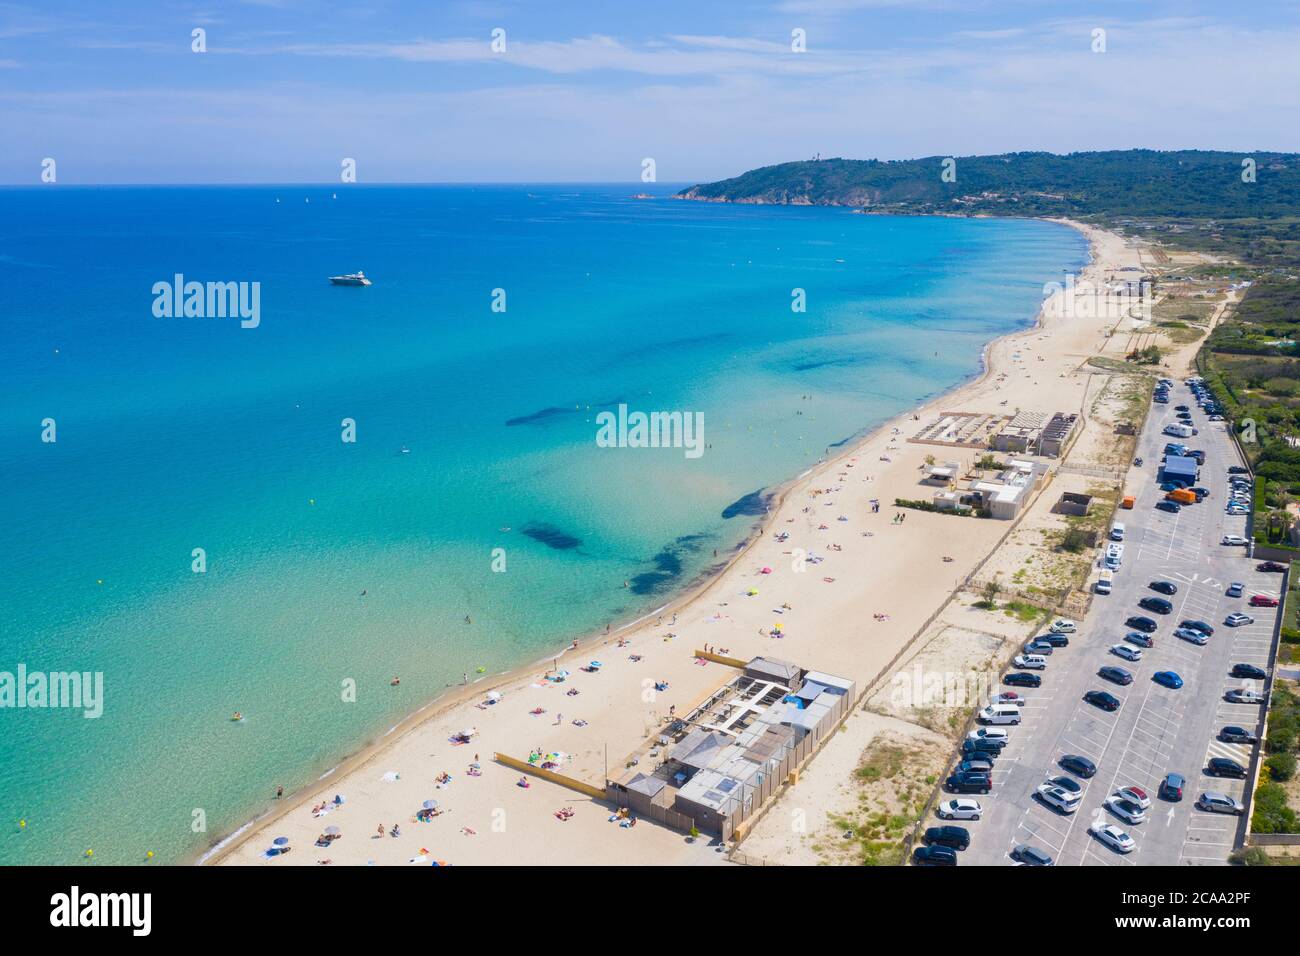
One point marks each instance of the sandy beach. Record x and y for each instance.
(874, 582)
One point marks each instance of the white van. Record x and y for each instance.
(1180, 431)
(1105, 580)
(1117, 531)
(1000, 714)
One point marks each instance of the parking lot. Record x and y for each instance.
(1156, 730)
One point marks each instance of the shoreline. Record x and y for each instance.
(686, 600)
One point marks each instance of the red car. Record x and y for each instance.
(1262, 600)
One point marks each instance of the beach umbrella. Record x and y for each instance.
(494, 695)
(767, 570)
(431, 804)
(332, 830)
(469, 732)
(280, 841)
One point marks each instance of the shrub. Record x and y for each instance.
(1272, 815)
(1281, 767)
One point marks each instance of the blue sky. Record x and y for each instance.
(585, 90)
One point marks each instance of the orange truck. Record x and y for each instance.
(1128, 502)
(1183, 496)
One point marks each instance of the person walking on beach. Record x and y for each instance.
(381, 829)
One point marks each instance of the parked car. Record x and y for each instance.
(1164, 587)
(1063, 626)
(1039, 647)
(1196, 637)
(1113, 837)
(989, 733)
(1067, 783)
(1144, 624)
(1172, 507)
(1201, 626)
(1116, 675)
(977, 763)
(1030, 662)
(1171, 787)
(1056, 640)
(1027, 855)
(1238, 470)
(1156, 605)
(1141, 640)
(1236, 589)
(1167, 679)
(1262, 600)
(963, 808)
(1078, 765)
(1238, 619)
(1234, 539)
(1270, 566)
(1007, 697)
(934, 856)
(1233, 734)
(1126, 652)
(1099, 698)
(955, 838)
(1022, 679)
(1243, 695)
(1135, 795)
(1126, 810)
(1214, 802)
(1223, 767)
(1248, 670)
(1059, 799)
(987, 748)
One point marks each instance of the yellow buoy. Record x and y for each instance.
(90, 853)
(22, 824)
(149, 855)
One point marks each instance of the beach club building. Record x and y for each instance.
(724, 760)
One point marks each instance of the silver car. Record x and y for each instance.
(1212, 802)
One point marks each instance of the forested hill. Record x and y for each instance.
(1137, 182)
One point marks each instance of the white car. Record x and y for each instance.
(1113, 837)
(1057, 797)
(1234, 539)
(963, 808)
(989, 733)
(1126, 652)
(1126, 810)
(1243, 695)
(1237, 619)
(1212, 802)
(1135, 795)
(1015, 700)
(1063, 626)
(1031, 662)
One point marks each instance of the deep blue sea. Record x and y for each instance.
(329, 560)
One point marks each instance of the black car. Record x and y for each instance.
(1237, 735)
(1156, 605)
(1206, 629)
(934, 856)
(1102, 699)
(1056, 640)
(1270, 566)
(1172, 507)
(1023, 679)
(1171, 788)
(1164, 587)
(961, 782)
(988, 747)
(1201, 493)
(1238, 470)
(1079, 766)
(1223, 767)
(1138, 623)
(1067, 783)
(1248, 670)
(954, 838)
(1031, 856)
(1181, 408)
(1116, 675)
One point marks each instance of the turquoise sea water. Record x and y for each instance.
(183, 433)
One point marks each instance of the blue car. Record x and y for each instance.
(1172, 507)
(1167, 679)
